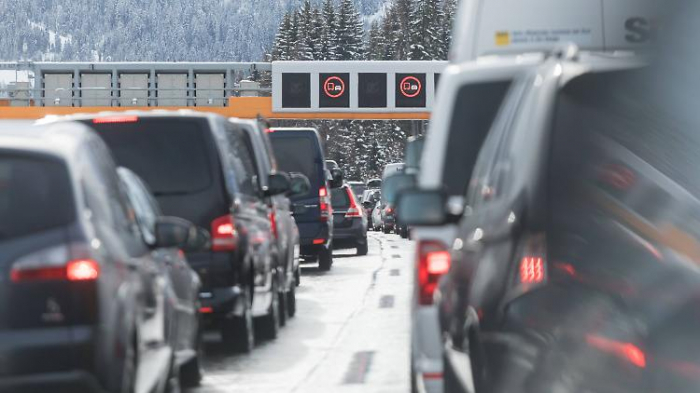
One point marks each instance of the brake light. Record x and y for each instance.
(532, 263)
(224, 236)
(532, 270)
(76, 270)
(389, 210)
(273, 224)
(625, 351)
(206, 310)
(82, 270)
(354, 210)
(325, 203)
(434, 261)
(115, 120)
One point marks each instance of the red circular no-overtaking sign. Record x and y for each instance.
(334, 87)
(410, 86)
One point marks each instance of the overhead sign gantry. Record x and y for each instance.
(365, 88)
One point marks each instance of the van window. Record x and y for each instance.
(35, 195)
(171, 155)
(476, 107)
(300, 155)
(241, 156)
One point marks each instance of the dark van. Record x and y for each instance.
(201, 168)
(299, 150)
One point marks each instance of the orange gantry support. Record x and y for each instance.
(241, 107)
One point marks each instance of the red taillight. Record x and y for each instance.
(532, 270)
(224, 236)
(354, 210)
(319, 241)
(273, 224)
(625, 351)
(325, 204)
(206, 310)
(388, 210)
(115, 119)
(433, 262)
(77, 270)
(82, 270)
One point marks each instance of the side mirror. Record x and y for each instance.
(299, 185)
(199, 240)
(173, 232)
(367, 204)
(422, 207)
(278, 183)
(337, 178)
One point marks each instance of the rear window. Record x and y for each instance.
(475, 109)
(170, 155)
(35, 195)
(297, 155)
(358, 189)
(339, 198)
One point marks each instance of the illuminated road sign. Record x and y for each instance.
(334, 91)
(372, 90)
(410, 90)
(355, 87)
(296, 90)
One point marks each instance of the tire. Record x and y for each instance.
(268, 326)
(172, 384)
(363, 247)
(238, 333)
(297, 277)
(282, 302)
(404, 233)
(325, 259)
(386, 230)
(292, 302)
(131, 361)
(191, 373)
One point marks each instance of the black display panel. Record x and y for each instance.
(410, 90)
(372, 90)
(296, 90)
(334, 90)
(437, 81)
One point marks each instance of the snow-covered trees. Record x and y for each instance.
(408, 30)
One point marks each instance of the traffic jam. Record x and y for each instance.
(541, 235)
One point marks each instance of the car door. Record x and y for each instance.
(182, 288)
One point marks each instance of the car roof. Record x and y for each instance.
(62, 140)
(154, 113)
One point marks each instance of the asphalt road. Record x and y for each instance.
(351, 332)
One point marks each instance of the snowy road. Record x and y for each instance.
(351, 332)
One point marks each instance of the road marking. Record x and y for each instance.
(386, 301)
(358, 368)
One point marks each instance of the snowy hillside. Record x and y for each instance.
(155, 30)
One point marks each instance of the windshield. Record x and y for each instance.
(35, 195)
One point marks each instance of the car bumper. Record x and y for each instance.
(349, 237)
(311, 233)
(426, 349)
(220, 303)
(62, 382)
